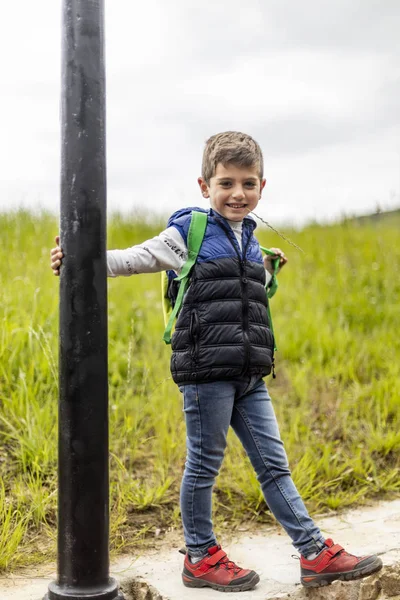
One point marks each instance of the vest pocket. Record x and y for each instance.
(194, 333)
(270, 341)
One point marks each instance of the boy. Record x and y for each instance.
(222, 348)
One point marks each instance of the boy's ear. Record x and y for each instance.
(203, 187)
(262, 185)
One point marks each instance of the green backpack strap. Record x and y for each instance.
(195, 237)
(272, 285)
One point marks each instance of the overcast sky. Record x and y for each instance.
(316, 82)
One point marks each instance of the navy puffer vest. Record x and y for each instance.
(222, 331)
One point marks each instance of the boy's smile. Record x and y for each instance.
(234, 191)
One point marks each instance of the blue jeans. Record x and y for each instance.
(245, 404)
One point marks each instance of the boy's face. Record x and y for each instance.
(233, 191)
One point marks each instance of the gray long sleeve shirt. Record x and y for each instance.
(162, 252)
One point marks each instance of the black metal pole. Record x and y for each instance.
(83, 487)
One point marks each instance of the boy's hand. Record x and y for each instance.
(56, 257)
(268, 260)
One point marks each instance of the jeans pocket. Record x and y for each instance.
(190, 398)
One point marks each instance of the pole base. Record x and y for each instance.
(109, 591)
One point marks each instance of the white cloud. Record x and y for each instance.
(316, 83)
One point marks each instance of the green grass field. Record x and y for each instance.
(337, 393)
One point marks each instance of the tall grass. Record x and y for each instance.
(336, 318)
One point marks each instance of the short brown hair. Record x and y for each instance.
(231, 147)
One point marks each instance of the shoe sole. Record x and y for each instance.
(194, 582)
(328, 578)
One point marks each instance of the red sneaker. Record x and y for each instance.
(218, 572)
(335, 563)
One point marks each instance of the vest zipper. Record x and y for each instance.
(245, 308)
(243, 285)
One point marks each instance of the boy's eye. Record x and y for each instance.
(248, 184)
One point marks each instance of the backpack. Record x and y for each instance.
(173, 287)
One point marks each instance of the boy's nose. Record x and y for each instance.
(238, 193)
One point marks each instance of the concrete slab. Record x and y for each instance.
(156, 575)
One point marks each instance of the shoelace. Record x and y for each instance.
(229, 565)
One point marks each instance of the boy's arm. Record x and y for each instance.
(268, 259)
(163, 252)
(269, 269)
(268, 277)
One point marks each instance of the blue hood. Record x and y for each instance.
(187, 211)
(183, 212)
